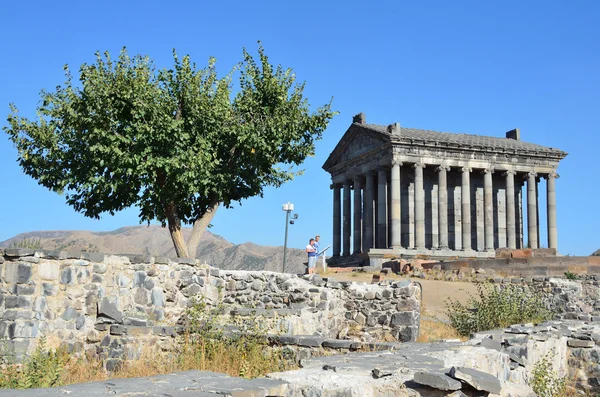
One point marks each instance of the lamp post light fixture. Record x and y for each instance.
(288, 208)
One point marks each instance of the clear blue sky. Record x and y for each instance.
(461, 66)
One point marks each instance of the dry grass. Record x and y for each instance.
(433, 330)
(246, 357)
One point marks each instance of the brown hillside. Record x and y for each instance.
(155, 240)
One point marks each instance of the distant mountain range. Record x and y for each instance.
(156, 241)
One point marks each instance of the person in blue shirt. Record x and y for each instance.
(316, 245)
(312, 256)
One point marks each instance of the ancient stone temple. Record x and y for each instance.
(405, 191)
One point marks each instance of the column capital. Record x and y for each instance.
(419, 164)
(466, 169)
(488, 170)
(509, 172)
(335, 186)
(442, 167)
(531, 174)
(552, 175)
(397, 162)
(347, 182)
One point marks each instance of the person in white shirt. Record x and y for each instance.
(312, 256)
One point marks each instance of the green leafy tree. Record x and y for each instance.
(176, 142)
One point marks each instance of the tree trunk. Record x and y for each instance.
(199, 226)
(174, 222)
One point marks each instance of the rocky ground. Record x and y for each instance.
(495, 363)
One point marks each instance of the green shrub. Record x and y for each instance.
(496, 307)
(570, 276)
(544, 381)
(43, 368)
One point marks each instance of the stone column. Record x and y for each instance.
(357, 215)
(346, 220)
(381, 209)
(532, 228)
(368, 217)
(551, 204)
(511, 226)
(395, 207)
(419, 207)
(466, 208)
(337, 221)
(488, 200)
(443, 205)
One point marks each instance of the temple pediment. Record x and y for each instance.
(355, 142)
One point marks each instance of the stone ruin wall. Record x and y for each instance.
(571, 299)
(114, 305)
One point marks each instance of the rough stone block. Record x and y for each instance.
(68, 276)
(403, 318)
(158, 298)
(544, 252)
(100, 268)
(522, 253)
(310, 341)
(478, 379)
(93, 256)
(108, 310)
(161, 260)
(341, 344)
(437, 380)
(113, 364)
(503, 253)
(49, 271)
(408, 334)
(55, 254)
(118, 330)
(23, 329)
(580, 343)
(15, 272)
(18, 252)
(17, 302)
(20, 289)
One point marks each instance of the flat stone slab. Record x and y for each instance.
(580, 343)
(341, 344)
(182, 384)
(437, 380)
(479, 380)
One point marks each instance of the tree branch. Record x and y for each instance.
(199, 226)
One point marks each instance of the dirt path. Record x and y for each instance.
(434, 292)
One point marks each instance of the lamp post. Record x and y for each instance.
(288, 208)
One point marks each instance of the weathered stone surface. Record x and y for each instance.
(18, 252)
(479, 380)
(580, 343)
(15, 272)
(48, 271)
(437, 380)
(108, 310)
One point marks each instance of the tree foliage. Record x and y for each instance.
(174, 142)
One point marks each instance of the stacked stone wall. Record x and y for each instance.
(114, 305)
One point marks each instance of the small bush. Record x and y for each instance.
(31, 243)
(245, 353)
(496, 307)
(570, 276)
(544, 381)
(43, 368)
